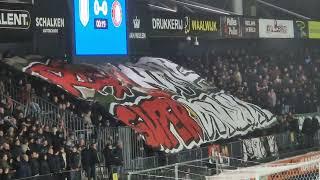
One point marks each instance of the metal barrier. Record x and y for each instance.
(71, 174)
(163, 159)
(195, 169)
(128, 139)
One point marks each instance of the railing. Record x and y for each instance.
(71, 174)
(194, 169)
(50, 114)
(134, 157)
(286, 142)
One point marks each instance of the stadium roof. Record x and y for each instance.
(307, 8)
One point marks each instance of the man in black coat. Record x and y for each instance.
(24, 169)
(94, 160)
(74, 164)
(108, 158)
(118, 158)
(34, 164)
(307, 131)
(89, 159)
(44, 165)
(52, 161)
(85, 161)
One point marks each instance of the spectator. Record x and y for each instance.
(53, 165)
(85, 161)
(44, 165)
(307, 131)
(75, 164)
(118, 158)
(34, 164)
(108, 157)
(24, 169)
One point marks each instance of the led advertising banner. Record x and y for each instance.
(202, 26)
(50, 24)
(100, 27)
(138, 30)
(314, 29)
(301, 29)
(166, 25)
(250, 28)
(272, 28)
(15, 22)
(231, 27)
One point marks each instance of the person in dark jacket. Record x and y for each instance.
(90, 160)
(108, 158)
(34, 164)
(118, 158)
(44, 165)
(85, 161)
(52, 161)
(307, 131)
(16, 149)
(24, 169)
(74, 164)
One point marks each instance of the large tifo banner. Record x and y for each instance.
(171, 107)
(314, 29)
(272, 28)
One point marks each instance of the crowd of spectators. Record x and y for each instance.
(29, 148)
(27, 87)
(282, 83)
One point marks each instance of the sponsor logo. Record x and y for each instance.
(136, 23)
(250, 26)
(14, 19)
(167, 24)
(277, 28)
(302, 29)
(314, 29)
(136, 26)
(200, 25)
(137, 35)
(50, 22)
(231, 27)
(50, 25)
(116, 13)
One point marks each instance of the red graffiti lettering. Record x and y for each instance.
(71, 78)
(154, 118)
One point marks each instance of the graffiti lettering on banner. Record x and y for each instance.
(82, 84)
(162, 121)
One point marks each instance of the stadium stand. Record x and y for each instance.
(32, 146)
